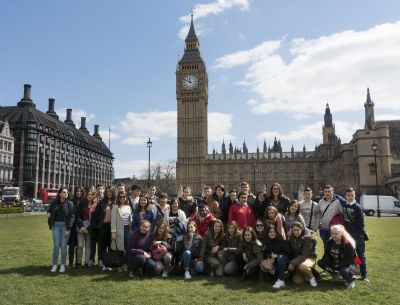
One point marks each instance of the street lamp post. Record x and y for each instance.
(375, 149)
(149, 144)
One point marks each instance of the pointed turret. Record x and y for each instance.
(191, 36)
(223, 149)
(369, 112)
(192, 49)
(327, 116)
(265, 147)
(304, 150)
(245, 150)
(292, 151)
(230, 148)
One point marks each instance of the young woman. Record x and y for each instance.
(292, 215)
(102, 221)
(275, 256)
(277, 199)
(84, 216)
(79, 196)
(212, 243)
(223, 202)
(302, 246)
(251, 252)
(143, 211)
(339, 256)
(93, 231)
(260, 230)
(60, 218)
(229, 248)
(162, 248)
(139, 255)
(191, 246)
(176, 220)
(260, 204)
(187, 203)
(121, 216)
(274, 218)
(162, 207)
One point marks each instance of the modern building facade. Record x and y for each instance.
(343, 165)
(50, 152)
(6, 154)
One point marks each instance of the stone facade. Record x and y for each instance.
(342, 165)
(6, 154)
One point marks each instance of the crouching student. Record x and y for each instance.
(228, 255)
(251, 253)
(339, 256)
(302, 246)
(191, 246)
(212, 243)
(275, 255)
(162, 247)
(139, 256)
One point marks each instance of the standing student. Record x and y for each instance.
(242, 213)
(245, 188)
(187, 203)
(292, 215)
(79, 196)
(133, 197)
(260, 204)
(143, 211)
(139, 254)
(354, 218)
(250, 251)
(329, 206)
(99, 192)
(310, 211)
(176, 220)
(102, 221)
(210, 247)
(303, 254)
(278, 199)
(191, 246)
(60, 218)
(228, 255)
(151, 195)
(223, 202)
(121, 216)
(93, 231)
(162, 208)
(339, 256)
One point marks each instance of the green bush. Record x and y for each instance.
(11, 210)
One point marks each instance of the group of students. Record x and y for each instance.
(267, 235)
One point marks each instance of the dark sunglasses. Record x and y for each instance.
(122, 197)
(259, 225)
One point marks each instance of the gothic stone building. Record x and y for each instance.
(6, 154)
(343, 165)
(54, 153)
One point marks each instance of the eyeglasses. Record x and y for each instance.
(259, 225)
(122, 197)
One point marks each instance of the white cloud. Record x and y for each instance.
(338, 67)
(309, 132)
(300, 116)
(387, 117)
(76, 116)
(104, 133)
(219, 127)
(129, 168)
(202, 10)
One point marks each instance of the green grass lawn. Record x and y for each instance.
(25, 262)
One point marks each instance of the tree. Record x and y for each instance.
(163, 175)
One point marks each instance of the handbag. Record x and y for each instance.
(158, 251)
(338, 220)
(267, 265)
(113, 258)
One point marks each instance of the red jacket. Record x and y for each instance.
(202, 227)
(243, 215)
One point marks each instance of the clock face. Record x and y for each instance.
(189, 81)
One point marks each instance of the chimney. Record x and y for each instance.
(26, 100)
(96, 132)
(51, 111)
(68, 120)
(83, 125)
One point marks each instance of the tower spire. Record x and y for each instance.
(327, 116)
(369, 112)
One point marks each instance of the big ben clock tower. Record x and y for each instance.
(192, 103)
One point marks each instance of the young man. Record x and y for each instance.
(202, 218)
(207, 194)
(354, 218)
(242, 213)
(120, 188)
(309, 210)
(245, 188)
(328, 206)
(151, 194)
(100, 192)
(133, 198)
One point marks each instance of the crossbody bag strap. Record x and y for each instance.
(326, 210)
(312, 210)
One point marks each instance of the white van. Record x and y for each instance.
(387, 204)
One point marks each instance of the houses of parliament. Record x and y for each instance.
(340, 164)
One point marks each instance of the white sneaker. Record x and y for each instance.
(62, 268)
(101, 265)
(279, 284)
(125, 268)
(104, 268)
(187, 275)
(54, 268)
(165, 274)
(211, 273)
(351, 285)
(313, 282)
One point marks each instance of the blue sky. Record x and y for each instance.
(272, 67)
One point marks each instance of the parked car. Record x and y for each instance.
(387, 204)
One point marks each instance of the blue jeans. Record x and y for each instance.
(138, 263)
(325, 235)
(189, 262)
(59, 240)
(281, 266)
(346, 273)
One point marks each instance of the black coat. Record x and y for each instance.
(346, 257)
(69, 213)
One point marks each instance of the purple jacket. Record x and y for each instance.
(139, 243)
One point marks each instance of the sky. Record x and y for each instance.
(272, 65)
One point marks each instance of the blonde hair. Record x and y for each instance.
(344, 234)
